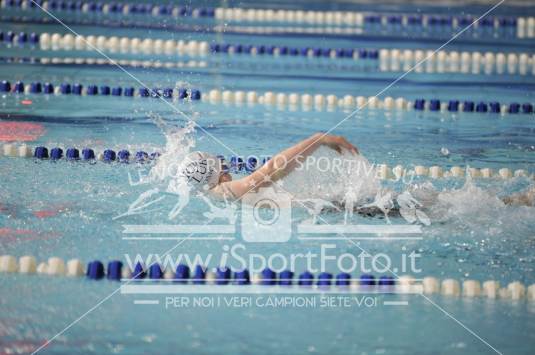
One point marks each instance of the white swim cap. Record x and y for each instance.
(201, 169)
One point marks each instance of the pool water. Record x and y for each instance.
(67, 209)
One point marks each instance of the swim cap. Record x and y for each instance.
(201, 169)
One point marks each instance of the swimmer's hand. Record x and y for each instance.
(338, 143)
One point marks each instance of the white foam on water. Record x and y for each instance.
(178, 143)
(333, 177)
(166, 172)
(474, 208)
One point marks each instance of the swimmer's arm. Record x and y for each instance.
(284, 162)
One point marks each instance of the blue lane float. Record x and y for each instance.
(56, 153)
(115, 270)
(286, 278)
(269, 277)
(306, 279)
(343, 279)
(199, 275)
(367, 279)
(109, 155)
(182, 273)
(324, 279)
(155, 272)
(88, 154)
(223, 275)
(386, 281)
(242, 277)
(138, 272)
(95, 270)
(41, 153)
(72, 154)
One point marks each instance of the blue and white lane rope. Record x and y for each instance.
(113, 8)
(521, 26)
(38, 88)
(248, 164)
(269, 98)
(114, 44)
(200, 275)
(390, 60)
(319, 101)
(521, 65)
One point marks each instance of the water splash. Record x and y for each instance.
(178, 143)
(334, 177)
(475, 209)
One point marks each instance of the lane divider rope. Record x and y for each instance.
(133, 63)
(269, 98)
(77, 89)
(522, 27)
(390, 60)
(247, 164)
(319, 101)
(114, 8)
(200, 275)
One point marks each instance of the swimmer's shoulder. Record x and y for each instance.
(234, 189)
(224, 190)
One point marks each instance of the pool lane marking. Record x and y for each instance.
(147, 302)
(113, 62)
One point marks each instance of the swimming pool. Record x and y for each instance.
(256, 82)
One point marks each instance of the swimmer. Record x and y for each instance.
(207, 172)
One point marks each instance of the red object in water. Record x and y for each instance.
(45, 214)
(11, 232)
(51, 211)
(26, 102)
(20, 131)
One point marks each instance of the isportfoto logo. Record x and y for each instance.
(321, 259)
(265, 215)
